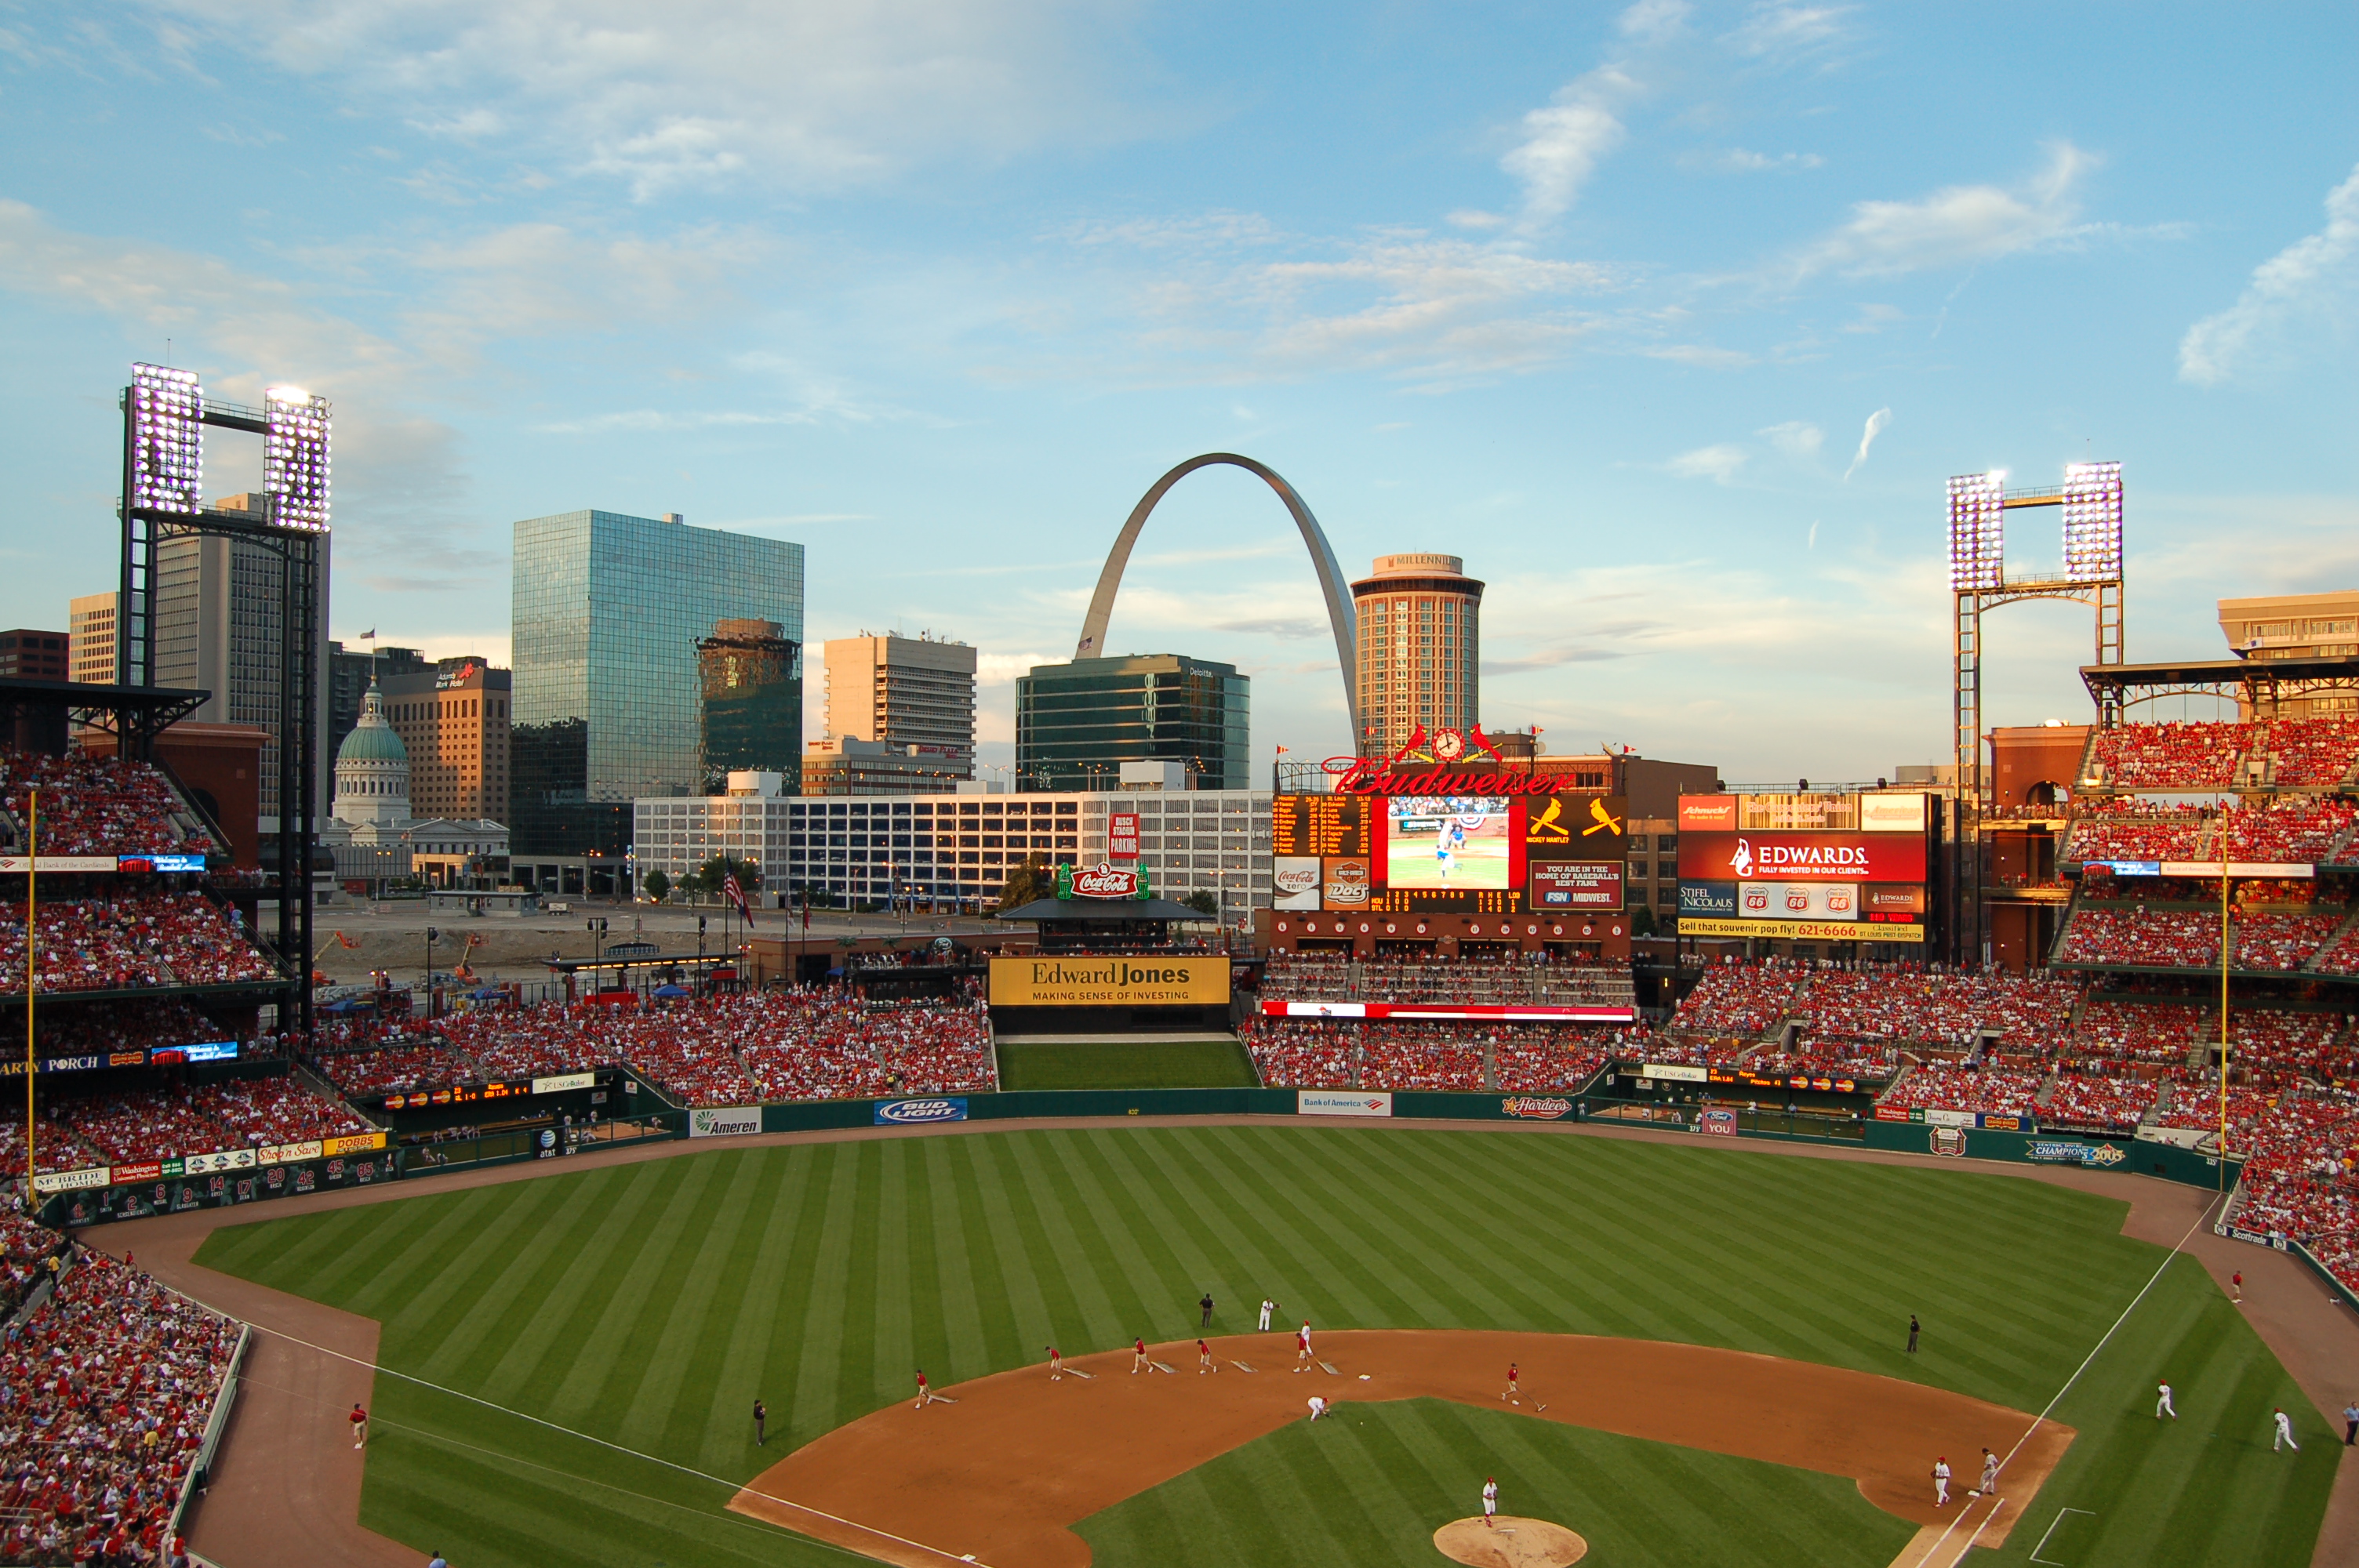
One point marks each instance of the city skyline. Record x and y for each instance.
(1670, 320)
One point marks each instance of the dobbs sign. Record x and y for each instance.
(1125, 980)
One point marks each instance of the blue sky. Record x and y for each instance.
(1605, 299)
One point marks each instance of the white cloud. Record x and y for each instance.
(1956, 226)
(1718, 464)
(1652, 21)
(2306, 283)
(1740, 160)
(1875, 424)
(1784, 32)
(1703, 356)
(1472, 218)
(1564, 142)
(813, 96)
(1002, 669)
(1795, 438)
(1876, 319)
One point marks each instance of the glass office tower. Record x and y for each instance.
(1076, 724)
(608, 612)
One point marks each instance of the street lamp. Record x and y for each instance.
(432, 936)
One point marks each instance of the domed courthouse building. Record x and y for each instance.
(374, 835)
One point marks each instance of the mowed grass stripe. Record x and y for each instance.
(953, 1311)
(1016, 1266)
(553, 1324)
(464, 1322)
(825, 1311)
(639, 1272)
(719, 1437)
(680, 1348)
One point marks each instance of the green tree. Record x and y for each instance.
(707, 878)
(658, 885)
(1035, 879)
(1204, 902)
(1642, 922)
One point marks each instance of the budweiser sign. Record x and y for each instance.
(1439, 757)
(1102, 881)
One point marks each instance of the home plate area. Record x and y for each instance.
(1003, 1478)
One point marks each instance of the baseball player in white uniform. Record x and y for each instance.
(2163, 1406)
(1941, 1483)
(1318, 1407)
(1267, 1307)
(2285, 1433)
(1490, 1500)
(1990, 1474)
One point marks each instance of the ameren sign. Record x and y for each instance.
(1124, 980)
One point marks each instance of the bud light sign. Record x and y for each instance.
(901, 1112)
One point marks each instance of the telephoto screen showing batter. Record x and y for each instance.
(1454, 843)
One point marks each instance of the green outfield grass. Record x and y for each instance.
(1125, 1064)
(648, 1305)
(1368, 1485)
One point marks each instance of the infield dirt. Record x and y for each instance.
(1003, 1476)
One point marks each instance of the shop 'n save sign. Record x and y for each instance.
(1802, 857)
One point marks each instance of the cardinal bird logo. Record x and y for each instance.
(1606, 822)
(1545, 828)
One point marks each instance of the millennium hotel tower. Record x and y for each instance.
(1419, 636)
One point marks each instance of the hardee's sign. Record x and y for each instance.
(1370, 775)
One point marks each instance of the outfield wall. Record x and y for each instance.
(2168, 1161)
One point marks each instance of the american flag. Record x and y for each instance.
(736, 896)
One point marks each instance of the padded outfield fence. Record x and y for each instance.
(1704, 1118)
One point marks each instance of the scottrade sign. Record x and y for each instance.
(1801, 858)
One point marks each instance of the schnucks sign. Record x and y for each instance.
(1801, 857)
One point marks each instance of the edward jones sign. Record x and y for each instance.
(1125, 980)
(1801, 858)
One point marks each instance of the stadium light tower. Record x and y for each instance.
(165, 412)
(2091, 498)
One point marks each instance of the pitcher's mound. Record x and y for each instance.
(1509, 1542)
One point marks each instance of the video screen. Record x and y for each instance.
(1449, 843)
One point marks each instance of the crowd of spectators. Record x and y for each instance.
(2289, 829)
(2312, 750)
(262, 1112)
(2273, 1045)
(1350, 1054)
(97, 805)
(1947, 1085)
(824, 1045)
(2297, 1170)
(2107, 1104)
(103, 1398)
(2280, 941)
(1833, 1059)
(2117, 1032)
(2157, 939)
(2177, 756)
(61, 1147)
(29, 1253)
(2195, 1104)
(1534, 979)
(1904, 1004)
(132, 1126)
(98, 1028)
(399, 1065)
(1738, 1000)
(1303, 1053)
(128, 942)
(740, 1050)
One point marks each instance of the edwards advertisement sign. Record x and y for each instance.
(1801, 858)
(1124, 980)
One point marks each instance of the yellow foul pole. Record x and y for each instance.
(2225, 819)
(32, 972)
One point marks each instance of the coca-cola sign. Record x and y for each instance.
(1102, 881)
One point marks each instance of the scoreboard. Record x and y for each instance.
(1492, 854)
(1321, 824)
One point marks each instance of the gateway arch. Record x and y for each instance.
(1341, 615)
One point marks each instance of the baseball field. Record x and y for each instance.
(580, 1354)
